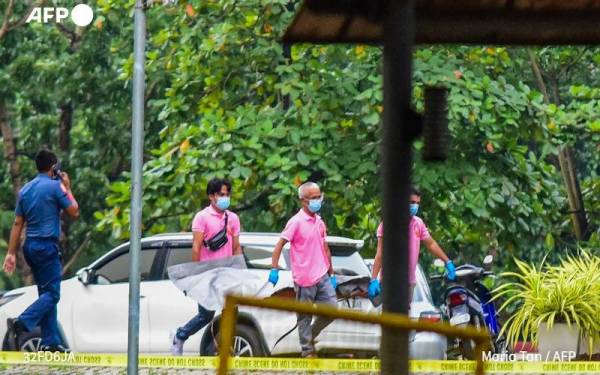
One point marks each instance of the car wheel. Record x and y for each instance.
(30, 342)
(246, 343)
(453, 352)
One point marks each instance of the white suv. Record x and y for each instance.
(93, 308)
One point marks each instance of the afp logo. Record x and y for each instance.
(81, 14)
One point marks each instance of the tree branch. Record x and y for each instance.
(10, 149)
(568, 66)
(73, 37)
(251, 204)
(246, 206)
(565, 155)
(150, 91)
(117, 169)
(22, 20)
(65, 31)
(64, 127)
(555, 91)
(77, 252)
(154, 219)
(5, 23)
(535, 66)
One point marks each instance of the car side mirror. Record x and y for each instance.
(439, 263)
(487, 262)
(84, 275)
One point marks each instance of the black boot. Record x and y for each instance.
(15, 329)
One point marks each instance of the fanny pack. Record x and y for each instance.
(218, 240)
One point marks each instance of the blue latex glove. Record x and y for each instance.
(274, 276)
(374, 288)
(333, 281)
(450, 270)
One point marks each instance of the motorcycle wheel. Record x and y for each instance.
(467, 347)
(501, 346)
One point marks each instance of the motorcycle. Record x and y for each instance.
(468, 301)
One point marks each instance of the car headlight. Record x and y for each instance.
(6, 299)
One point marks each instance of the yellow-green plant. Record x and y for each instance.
(568, 293)
(586, 269)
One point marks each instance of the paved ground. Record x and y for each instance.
(39, 370)
(35, 370)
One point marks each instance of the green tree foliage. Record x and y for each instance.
(60, 87)
(224, 98)
(225, 114)
(235, 106)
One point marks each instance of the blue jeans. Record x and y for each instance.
(43, 257)
(195, 324)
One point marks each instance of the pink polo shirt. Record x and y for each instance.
(306, 235)
(210, 222)
(417, 231)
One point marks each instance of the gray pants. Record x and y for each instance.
(321, 292)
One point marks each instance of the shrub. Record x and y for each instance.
(567, 293)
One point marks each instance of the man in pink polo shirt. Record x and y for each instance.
(311, 263)
(417, 232)
(206, 227)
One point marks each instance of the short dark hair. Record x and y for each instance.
(44, 160)
(214, 186)
(415, 191)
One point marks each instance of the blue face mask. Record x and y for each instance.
(314, 205)
(223, 203)
(414, 208)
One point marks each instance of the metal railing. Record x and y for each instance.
(229, 318)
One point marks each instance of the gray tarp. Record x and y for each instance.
(209, 282)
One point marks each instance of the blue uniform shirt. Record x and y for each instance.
(40, 202)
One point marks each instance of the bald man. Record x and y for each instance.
(310, 258)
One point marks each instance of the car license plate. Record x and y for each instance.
(460, 319)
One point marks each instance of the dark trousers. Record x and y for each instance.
(195, 324)
(43, 257)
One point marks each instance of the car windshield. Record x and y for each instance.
(116, 270)
(422, 291)
(346, 259)
(418, 293)
(260, 257)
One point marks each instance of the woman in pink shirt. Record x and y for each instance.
(417, 232)
(206, 226)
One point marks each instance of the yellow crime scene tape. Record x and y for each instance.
(290, 364)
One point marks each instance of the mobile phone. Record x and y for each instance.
(57, 169)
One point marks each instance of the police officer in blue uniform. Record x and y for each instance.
(39, 205)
